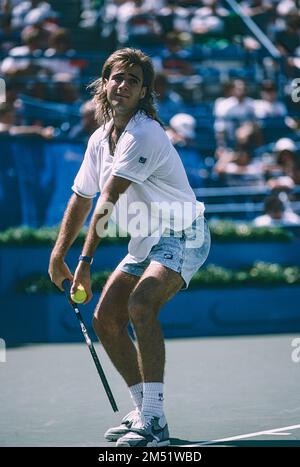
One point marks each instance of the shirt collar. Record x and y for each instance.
(135, 119)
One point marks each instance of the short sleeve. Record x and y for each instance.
(86, 183)
(137, 158)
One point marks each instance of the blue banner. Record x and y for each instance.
(35, 179)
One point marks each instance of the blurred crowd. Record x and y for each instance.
(224, 98)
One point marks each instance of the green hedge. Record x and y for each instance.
(222, 231)
(260, 274)
(44, 236)
(228, 231)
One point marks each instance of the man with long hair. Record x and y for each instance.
(132, 163)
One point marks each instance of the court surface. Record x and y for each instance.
(229, 390)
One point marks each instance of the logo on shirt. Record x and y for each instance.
(142, 160)
(168, 256)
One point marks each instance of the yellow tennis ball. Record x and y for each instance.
(80, 295)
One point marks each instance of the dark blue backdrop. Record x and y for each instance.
(35, 179)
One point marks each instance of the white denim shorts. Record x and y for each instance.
(184, 252)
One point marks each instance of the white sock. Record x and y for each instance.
(153, 397)
(136, 393)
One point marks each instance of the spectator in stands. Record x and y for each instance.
(60, 45)
(12, 87)
(137, 25)
(261, 11)
(287, 36)
(231, 112)
(9, 124)
(9, 38)
(110, 21)
(38, 88)
(173, 17)
(6, 6)
(182, 134)
(275, 214)
(287, 7)
(284, 171)
(288, 39)
(27, 12)
(174, 57)
(14, 63)
(88, 124)
(235, 168)
(208, 20)
(7, 117)
(64, 90)
(269, 105)
(249, 135)
(182, 129)
(168, 102)
(275, 111)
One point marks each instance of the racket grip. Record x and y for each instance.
(66, 284)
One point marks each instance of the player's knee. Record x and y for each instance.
(105, 327)
(140, 311)
(97, 325)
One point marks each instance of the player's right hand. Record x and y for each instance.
(59, 271)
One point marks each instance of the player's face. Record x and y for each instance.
(125, 88)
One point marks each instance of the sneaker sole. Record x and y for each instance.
(149, 445)
(115, 437)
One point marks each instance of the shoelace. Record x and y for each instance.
(131, 416)
(136, 416)
(143, 421)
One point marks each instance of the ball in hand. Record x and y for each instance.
(80, 295)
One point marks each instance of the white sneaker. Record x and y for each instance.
(116, 432)
(147, 431)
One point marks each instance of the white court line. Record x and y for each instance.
(275, 431)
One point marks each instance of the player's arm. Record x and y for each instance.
(110, 194)
(75, 215)
(114, 187)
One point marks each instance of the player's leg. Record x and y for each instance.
(174, 260)
(110, 324)
(156, 286)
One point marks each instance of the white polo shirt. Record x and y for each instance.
(159, 196)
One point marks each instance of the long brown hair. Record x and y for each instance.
(126, 57)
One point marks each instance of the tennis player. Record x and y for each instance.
(143, 188)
